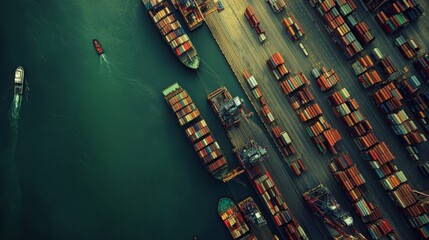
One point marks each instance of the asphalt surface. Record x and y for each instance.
(243, 51)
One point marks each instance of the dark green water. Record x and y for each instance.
(98, 154)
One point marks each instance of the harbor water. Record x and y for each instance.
(96, 153)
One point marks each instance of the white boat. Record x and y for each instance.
(19, 81)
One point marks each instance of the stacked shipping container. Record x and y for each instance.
(388, 100)
(350, 178)
(293, 28)
(302, 100)
(276, 64)
(326, 79)
(380, 159)
(408, 48)
(254, 22)
(282, 137)
(422, 66)
(397, 13)
(334, 15)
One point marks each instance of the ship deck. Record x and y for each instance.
(241, 48)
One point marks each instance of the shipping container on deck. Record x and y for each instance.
(197, 131)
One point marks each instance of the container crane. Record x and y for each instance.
(323, 204)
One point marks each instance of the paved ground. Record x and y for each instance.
(242, 50)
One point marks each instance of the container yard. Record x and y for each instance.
(354, 127)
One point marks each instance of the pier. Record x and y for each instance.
(243, 51)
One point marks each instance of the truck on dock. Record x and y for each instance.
(255, 23)
(277, 5)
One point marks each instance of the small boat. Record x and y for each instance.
(98, 47)
(19, 81)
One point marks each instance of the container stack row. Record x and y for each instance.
(388, 68)
(372, 5)
(302, 100)
(323, 135)
(255, 23)
(334, 14)
(293, 28)
(281, 213)
(362, 64)
(420, 107)
(352, 181)
(389, 102)
(380, 159)
(408, 48)
(422, 66)
(360, 29)
(298, 167)
(293, 83)
(276, 64)
(326, 79)
(397, 13)
(283, 140)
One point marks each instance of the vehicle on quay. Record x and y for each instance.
(19, 81)
(197, 130)
(172, 32)
(304, 50)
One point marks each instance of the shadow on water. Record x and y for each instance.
(10, 186)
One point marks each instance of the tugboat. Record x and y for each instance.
(98, 48)
(19, 81)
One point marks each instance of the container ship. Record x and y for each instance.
(227, 108)
(233, 220)
(172, 32)
(196, 130)
(19, 81)
(339, 222)
(194, 11)
(251, 212)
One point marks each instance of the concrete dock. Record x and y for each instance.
(241, 48)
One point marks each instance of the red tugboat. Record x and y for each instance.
(98, 48)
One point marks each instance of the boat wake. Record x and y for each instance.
(10, 184)
(15, 108)
(211, 71)
(104, 61)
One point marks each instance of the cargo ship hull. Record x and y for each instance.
(172, 32)
(197, 130)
